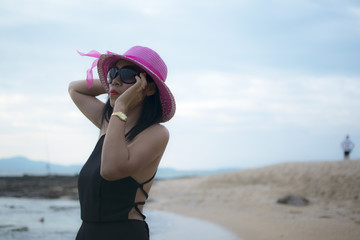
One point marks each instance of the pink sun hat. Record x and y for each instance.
(148, 60)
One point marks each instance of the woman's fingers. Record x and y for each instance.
(141, 80)
(133, 95)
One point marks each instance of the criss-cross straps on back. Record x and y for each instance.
(141, 186)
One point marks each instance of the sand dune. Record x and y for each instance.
(245, 201)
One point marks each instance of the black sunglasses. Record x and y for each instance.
(127, 74)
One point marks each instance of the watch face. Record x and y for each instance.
(123, 116)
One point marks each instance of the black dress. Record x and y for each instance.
(105, 205)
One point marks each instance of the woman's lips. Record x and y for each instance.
(114, 92)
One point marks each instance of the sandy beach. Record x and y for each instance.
(245, 202)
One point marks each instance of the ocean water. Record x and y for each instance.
(58, 219)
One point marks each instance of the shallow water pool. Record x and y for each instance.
(58, 219)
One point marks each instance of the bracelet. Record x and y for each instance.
(122, 116)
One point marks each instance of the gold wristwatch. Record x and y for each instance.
(121, 115)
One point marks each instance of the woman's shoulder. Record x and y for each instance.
(155, 137)
(158, 129)
(155, 133)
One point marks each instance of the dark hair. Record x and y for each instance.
(151, 113)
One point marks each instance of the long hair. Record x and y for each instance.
(151, 113)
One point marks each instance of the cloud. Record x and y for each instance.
(240, 70)
(355, 11)
(44, 127)
(18, 12)
(303, 101)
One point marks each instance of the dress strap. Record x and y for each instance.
(141, 186)
(150, 179)
(136, 206)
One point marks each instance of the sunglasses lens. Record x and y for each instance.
(127, 75)
(112, 73)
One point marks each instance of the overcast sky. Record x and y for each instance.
(256, 81)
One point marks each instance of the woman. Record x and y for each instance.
(115, 181)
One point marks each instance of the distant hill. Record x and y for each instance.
(19, 166)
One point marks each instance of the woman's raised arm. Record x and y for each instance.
(85, 99)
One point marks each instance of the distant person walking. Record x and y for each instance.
(347, 146)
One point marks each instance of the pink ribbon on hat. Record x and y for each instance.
(89, 72)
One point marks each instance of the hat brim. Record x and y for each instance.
(106, 61)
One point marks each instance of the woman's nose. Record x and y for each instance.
(116, 81)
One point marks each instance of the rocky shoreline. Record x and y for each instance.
(48, 187)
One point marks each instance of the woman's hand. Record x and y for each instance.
(133, 96)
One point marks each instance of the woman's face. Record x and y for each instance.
(117, 87)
